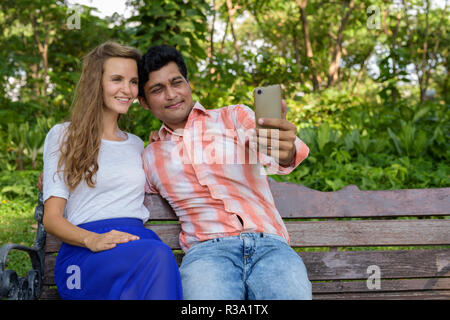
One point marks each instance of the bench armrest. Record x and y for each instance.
(29, 287)
(20, 288)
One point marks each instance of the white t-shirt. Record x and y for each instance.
(120, 181)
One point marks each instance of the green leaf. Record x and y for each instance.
(396, 141)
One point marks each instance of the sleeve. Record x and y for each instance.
(244, 120)
(53, 180)
(301, 153)
(146, 163)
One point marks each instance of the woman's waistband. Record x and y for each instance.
(112, 223)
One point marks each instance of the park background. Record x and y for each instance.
(366, 83)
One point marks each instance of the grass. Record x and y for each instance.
(17, 225)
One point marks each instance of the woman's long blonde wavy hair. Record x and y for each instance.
(82, 139)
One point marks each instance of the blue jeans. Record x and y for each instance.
(254, 266)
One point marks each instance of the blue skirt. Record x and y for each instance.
(143, 269)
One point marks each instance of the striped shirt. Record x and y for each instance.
(211, 178)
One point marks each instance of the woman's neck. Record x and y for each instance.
(111, 129)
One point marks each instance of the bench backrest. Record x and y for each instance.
(355, 244)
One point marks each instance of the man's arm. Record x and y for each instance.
(149, 187)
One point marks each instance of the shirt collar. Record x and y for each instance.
(165, 130)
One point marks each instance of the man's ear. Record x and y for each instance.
(143, 103)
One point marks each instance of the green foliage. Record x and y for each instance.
(372, 146)
(24, 144)
(18, 184)
(178, 23)
(18, 196)
(368, 128)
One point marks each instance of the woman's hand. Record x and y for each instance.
(56, 224)
(104, 241)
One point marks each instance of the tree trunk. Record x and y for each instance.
(337, 50)
(211, 47)
(231, 11)
(35, 76)
(361, 72)
(309, 52)
(393, 36)
(424, 56)
(297, 53)
(436, 46)
(44, 54)
(43, 50)
(410, 40)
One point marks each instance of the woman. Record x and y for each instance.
(94, 191)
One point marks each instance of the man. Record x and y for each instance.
(235, 241)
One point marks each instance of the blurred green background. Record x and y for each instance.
(366, 84)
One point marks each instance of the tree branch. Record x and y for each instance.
(337, 51)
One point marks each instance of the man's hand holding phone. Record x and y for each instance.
(275, 135)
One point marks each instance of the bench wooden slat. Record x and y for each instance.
(335, 233)
(369, 233)
(296, 201)
(408, 295)
(49, 266)
(393, 264)
(348, 233)
(159, 208)
(352, 265)
(48, 293)
(52, 294)
(385, 286)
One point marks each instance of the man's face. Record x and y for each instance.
(168, 96)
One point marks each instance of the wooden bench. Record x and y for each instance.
(346, 258)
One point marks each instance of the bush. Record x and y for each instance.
(18, 198)
(370, 145)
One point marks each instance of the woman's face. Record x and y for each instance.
(120, 84)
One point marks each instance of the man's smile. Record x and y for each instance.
(175, 105)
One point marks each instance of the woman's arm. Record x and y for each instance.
(60, 227)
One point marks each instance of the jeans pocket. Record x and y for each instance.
(199, 245)
(275, 237)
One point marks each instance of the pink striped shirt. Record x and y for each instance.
(210, 176)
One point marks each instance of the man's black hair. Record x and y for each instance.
(156, 58)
